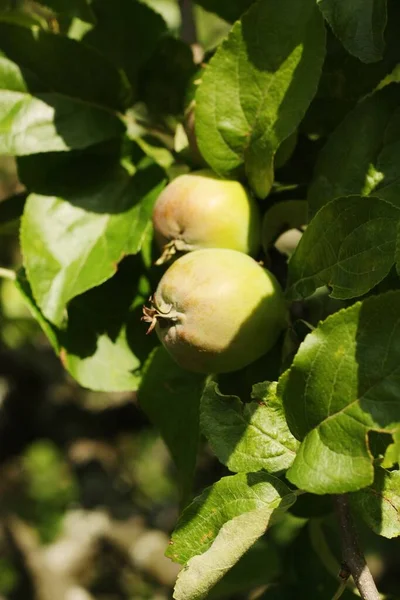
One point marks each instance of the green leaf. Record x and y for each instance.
(343, 383)
(11, 76)
(230, 497)
(349, 246)
(51, 123)
(348, 162)
(259, 566)
(127, 32)
(220, 525)
(257, 87)
(379, 504)
(170, 396)
(104, 344)
(73, 242)
(51, 332)
(359, 24)
(230, 10)
(65, 66)
(248, 437)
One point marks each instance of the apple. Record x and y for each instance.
(217, 310)
(202, 210)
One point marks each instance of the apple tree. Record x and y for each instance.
(288, 370)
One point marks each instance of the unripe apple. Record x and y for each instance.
(217, 310)
(201, 210)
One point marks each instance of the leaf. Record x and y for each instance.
(305, 556)
(65, 66)
(170, 397)
(248, 437)
(11, 208)
(349, 246)
(73, 242)
(221, 525)
(165, 77)
(230, 10)
(11, 76)
(379, 504)
(230, 497)
(51, 123)
(257, 87)
(71, 8)
(288, 214)
(359, 24)
(259, 566)
(347, 163)
(104, 344)
(126, 32)
(233, 540)
(343, 383)
(51, 332)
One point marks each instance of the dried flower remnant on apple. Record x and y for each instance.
(217, 310)
(201, 210)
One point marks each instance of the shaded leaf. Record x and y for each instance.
(230, 10)
(127, 32)
(348, 162)
(65, 66)
(71, 8)
(289, 214)
(343, 383)
(74, 242)
(349, 246)
(170, 396)
(256, 88)
(50, 122)
(379, 504)
(248, 437)
(104, 344)
(165, 77)
(359, 24)
(12, 208)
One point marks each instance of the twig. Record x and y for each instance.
(353, 556)
(188, 27)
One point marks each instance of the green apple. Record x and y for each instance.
(217, 310)
(201, 210)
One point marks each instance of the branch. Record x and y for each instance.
(188, 27)
(352, 554)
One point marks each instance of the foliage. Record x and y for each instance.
(101, 105)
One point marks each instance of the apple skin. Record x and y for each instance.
(201, 210)
(217, 310)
